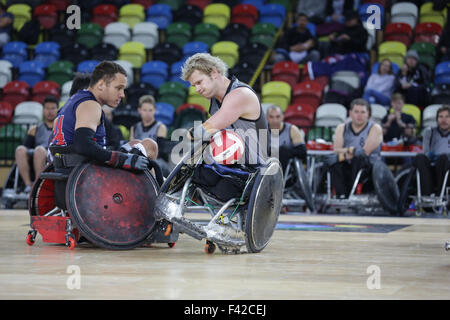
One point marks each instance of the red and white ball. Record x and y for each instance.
(226, 147)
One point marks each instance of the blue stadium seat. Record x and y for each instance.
(442, 73)
(47, 52)
(175, 73)
(160, 14)
(15, 52)
(87, 66)
(155, 73)
(194, 47)
(376, 65)
(272, 13)
(31, 72)
(165, 113)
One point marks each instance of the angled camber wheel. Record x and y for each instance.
(113, 208)
(385, 187)
(264, 206)
(302, 182)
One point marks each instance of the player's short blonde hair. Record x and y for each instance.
(203, 62)
(146, 99)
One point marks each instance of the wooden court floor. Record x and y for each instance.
(309, 257)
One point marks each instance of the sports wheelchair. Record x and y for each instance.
(75, 199)
(241, 222)
(376, 191)
(297, 186)
(408, 180)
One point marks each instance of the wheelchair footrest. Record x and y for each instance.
(186, 226)
(52, 229)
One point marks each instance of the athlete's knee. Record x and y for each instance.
(40, 153)
(151, 146)
(21, 151)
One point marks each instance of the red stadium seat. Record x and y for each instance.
(44, 88)
(104, 14)
(286, 71)
(309, 92)
(398, 31)
(190, 106)
(245, 14)
(6, 112)
(47, 15)
(61, 5)
(144, 3)
(301, 115)
(428, 32)
(15, 92)
(199, 3)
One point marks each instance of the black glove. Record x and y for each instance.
(300, 151)
(128, 161)
(359, 152)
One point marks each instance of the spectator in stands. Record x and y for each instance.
(352, 38)
(413, 80)
(314, 9)
(80, 82)
(36, 144)
(298, 44)
(357, 145)
(380, 85)
(443, 47)
(290, 139)
(335, 10)
(434, 161)
(6, 24)
(395, 122)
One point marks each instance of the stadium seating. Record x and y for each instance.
(6, 112)
(22, 13)
(15, 52)
(173, 93)
(426, 52)
(31, 72)
(287, 71)
(28, 112)
(301, 115)
(89, 35)
(207, 33)
(104, 14)
(47, 15)
(378, 112)
(276, 92)
(104, 51)
(43, 89)
(429, 115)
(167, 52)
(190, 14)
(160, 14)
(405, 12)
(131, 14)
(178, 33)
(146, 33)
(272, 13)
(228, 51)
(196, 98)
(129, 70)
(330, 115)
(187, 114)
(395, 51)
(428, 14)
(245, 14)
(194, 47)
(263, 33)
(87, 66)
(11, 135)
(428, 32)
(155, 73)
(442, 73)
(307, 92)
(60, 71)
(237, 33)
(217, 14)
(5, 72)
(117, 33)
(398, 31)
(165, 113)
(134, 52)
(47, 52)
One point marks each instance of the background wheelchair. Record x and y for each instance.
(297, 186)
(408, 181)
(14, 186)
(111, 208)
(379, 191)
(244, 223)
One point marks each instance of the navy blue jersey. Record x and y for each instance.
(64, 129)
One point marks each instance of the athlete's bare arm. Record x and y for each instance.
(89, 115)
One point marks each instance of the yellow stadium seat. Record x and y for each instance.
(22, 13)
(132, 14)
(277, 92)
(134, 52)
(218, 14)
(228, 51)
(195, 98)
(395, 51)
(427, 14)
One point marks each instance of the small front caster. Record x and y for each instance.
(210, 247)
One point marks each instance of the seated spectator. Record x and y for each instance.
(443, 47)
(395, 123)
(352, 38)
(6, 24)
(434, 162)
(36, 144)
(379, 86)
(336, 8)
(413, 80)
(314, 9)
(297, 44)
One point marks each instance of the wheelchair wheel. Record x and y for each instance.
(403, 180)
(42, 195)
(303, 185)
(385, 187)
(112, 208)
(264, 207)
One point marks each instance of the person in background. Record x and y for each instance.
(394, 123)
(380, 85)
(36, 144)
(6, 25)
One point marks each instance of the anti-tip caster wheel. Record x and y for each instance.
(210, 247)
(171, 244)
(70, 241)
(30, 237)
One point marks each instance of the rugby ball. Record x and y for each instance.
(226, 147)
